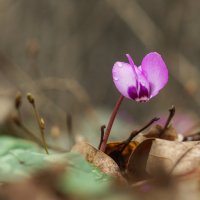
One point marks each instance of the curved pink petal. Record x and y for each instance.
(124, 78)
(143, 86)
(130, 60)
(142, 79)
(155, 71)
(134, 67)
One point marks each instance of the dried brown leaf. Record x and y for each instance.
(136, 168)
(173, 156)
(105, 163)
(169, 134)
(153, 157)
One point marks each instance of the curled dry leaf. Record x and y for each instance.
(175, 157)
(136, 167)
(168, 134)
(120, 152)
(154, 157)
(98, 158)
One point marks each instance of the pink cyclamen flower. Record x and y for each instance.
(143, 82)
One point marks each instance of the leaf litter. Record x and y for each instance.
(159, 163)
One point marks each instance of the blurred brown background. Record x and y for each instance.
(63, 52)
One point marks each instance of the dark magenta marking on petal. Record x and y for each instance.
(132, 92)
(143, 92)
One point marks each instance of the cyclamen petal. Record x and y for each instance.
(143, 84)
(123, 77)
(140, 83)
(156, 72)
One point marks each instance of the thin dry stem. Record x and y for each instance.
(40, 121)
(172, 111)
(136, 132)
(32, 136)
(102, 135)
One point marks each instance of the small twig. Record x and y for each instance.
(171, 115)
(102, 135)
(18, 103)
(40, 120)
(18, 121)
(42, 127)
(18, 100)
(172, 111)
(32, 136)
(136, 132)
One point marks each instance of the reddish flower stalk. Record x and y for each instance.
(110, 123)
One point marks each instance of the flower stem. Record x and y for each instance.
(110, 123)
